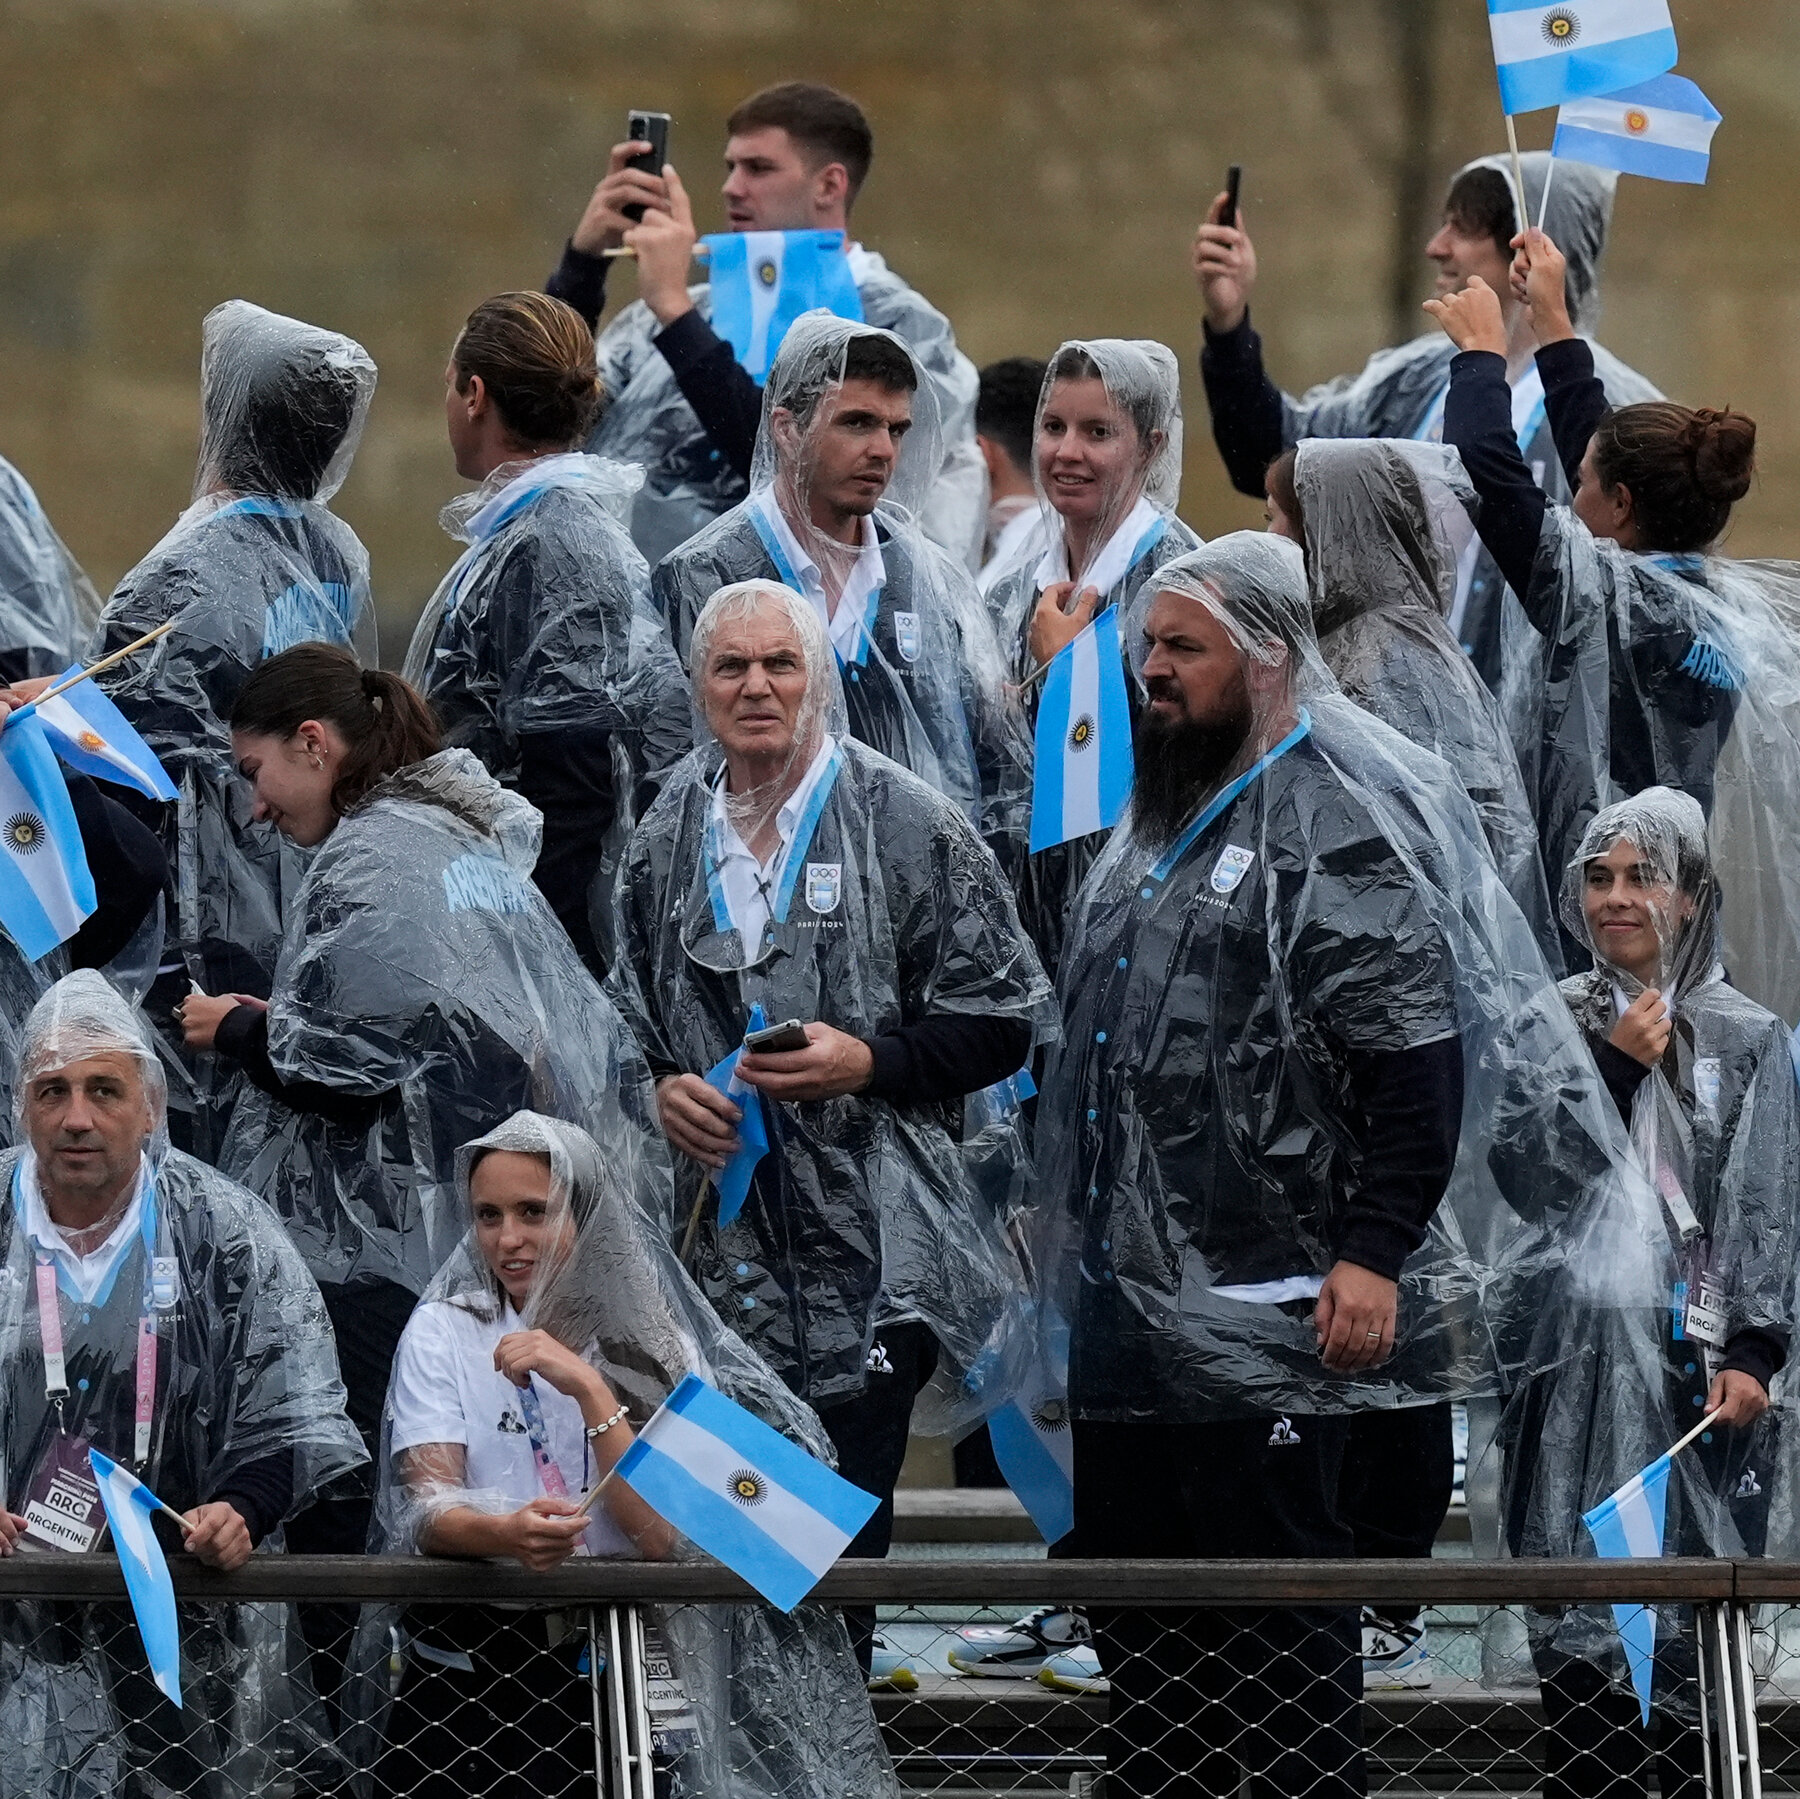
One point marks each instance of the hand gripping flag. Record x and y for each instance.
(129, 1504)
(743, 1493)
(1547, 54)
(1084, 764)
(91, 735)
(763, 280)
(46, 888)
(733, 1180)
(1630, 1524)
(1662, 128)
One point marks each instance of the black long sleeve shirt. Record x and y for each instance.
(726, 401)
(1246, 406)
(243, 1036)
(129, 867)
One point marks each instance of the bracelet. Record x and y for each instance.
(600, 1430)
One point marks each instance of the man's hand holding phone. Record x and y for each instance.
(832, 1063)
(664, 242)
(1224, 262)
(604, 224)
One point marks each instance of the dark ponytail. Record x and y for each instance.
(383, 720)
(1685, 469)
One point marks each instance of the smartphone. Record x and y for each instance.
(1234, 178)
(777, 1039)
(650, 128)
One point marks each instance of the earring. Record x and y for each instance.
(318, 762)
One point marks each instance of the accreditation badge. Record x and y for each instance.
(62, 1506)
(907, 635)
(824, 885)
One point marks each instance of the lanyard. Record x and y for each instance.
(159, 1281)
(767, 530)
(792, 856)
(1185, 842)
(548, 1471)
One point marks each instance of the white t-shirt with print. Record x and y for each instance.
(445, 1389)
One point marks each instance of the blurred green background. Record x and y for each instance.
(381, 165)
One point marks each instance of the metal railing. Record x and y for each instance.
(559, 1682)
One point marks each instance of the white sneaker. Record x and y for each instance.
(889, 1670)
(1021, 1649)
(1395, 1655)
(1074, 1671)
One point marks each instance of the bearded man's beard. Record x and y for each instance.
(1181, 759)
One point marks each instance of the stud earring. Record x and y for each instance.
(318, 762)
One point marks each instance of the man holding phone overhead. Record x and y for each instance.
(679, 402)
(788, 867)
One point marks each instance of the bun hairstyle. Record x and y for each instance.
(383, 720)
(1685, 468)
(535, 357)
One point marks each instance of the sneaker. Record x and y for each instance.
(1395, 1655)
(1020, 1649)
(889, 1670)
(1074, 1671)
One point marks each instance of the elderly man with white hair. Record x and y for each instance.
(787, 867)
(157, 1313)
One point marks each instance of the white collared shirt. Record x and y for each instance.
(843, 621)
(1105, 571)
(541, 472)
(1013, 540)
(86, 1274)
(750, 886)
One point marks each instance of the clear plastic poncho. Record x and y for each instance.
(246, 1374)
(923, 679)
(255, 565)
(544, 627)
(777, 1704)
(1400, 391)
(888, 907)
(1716, 1126)
(1628, 671)
(424, 972)
(688, 483)
(1197, 1150)
(1386, 524)
(47, 605)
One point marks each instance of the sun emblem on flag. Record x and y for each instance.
(24, 832)
(1083, 733)
(1050, 1414)
(1561, 26)
(747, 1487)
(91, 740)
(1637, 123)
(766, 271)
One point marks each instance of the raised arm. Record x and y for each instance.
(1574, 396)
(1247, 410)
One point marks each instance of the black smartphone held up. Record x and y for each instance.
(650, 128)
(1234, 179)
(777, 1039)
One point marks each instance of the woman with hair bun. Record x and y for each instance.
(424, 993)
(1636, 656)
(540, 651)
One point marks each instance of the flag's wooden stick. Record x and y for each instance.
(106, 662)
(699, 253)
(1544, 203)
(1512, 143)
(693, 1223)
(591, 1497)
(1704, 1424)
(188, 1528)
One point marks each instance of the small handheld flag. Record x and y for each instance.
(1547, 54)
(743, 1493)
(1083, 762)
(91, 735)
(1035, 1449)
(763, 280)
(46, 888)
(129, 1504)
(733, 1180)
(1662, 128)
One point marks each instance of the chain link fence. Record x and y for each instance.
(313, 1675)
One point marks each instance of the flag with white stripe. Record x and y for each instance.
(1547, 54)
(129, 1504)
(761, 281)
(94, 738)
(1083, 764)
(743, 1493)
(1662, 128)
(1035, 1448)
(46, 888)
(1629, 1525)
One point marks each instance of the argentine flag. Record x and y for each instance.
(129, 1504)
(733, 1180)
(1035, 1448)
(1630, 1524)
(763, 280)
(1551, 53)
(91, 735)
(46, 889)
(1084, 765)
(1662, 128)
(743, 1493)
